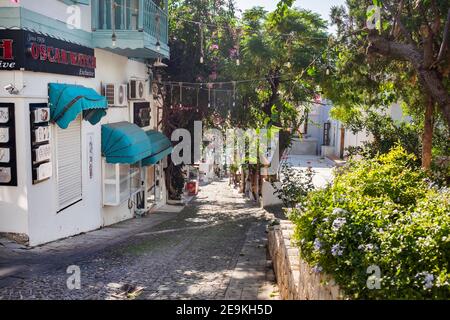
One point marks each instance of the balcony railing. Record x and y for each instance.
(131, 15)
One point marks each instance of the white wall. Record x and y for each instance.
(32, 209)
(269, 198)
(13, 200)
(112, 68)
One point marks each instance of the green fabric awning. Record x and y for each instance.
(67, 101)
(125, 142)
(161, 147)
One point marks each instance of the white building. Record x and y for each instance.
(67, 183)
(328, 137)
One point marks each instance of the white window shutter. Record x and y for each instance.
(69, 175)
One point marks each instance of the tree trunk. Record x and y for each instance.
(274, 82)
(427, 138)
(342, 145)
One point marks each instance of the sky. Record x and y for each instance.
(320, 6)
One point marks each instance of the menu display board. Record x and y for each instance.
(41, 150)
(8, 161)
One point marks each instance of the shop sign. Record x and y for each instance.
(40, 142)
(8, 161)
(21, 49)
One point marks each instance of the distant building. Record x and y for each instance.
(327, 137)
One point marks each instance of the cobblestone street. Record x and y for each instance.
(214, 249)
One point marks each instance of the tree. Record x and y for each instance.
(408, 51)
(193, 60)
(211, 48)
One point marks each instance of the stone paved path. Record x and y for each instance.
(214, 249)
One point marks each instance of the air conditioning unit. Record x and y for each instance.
(121, 97)
(136, 90)
(116, 94)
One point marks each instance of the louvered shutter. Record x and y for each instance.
(69, 164)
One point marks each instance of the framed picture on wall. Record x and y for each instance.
(41, 150)
(8, 161)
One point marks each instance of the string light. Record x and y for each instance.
(114, 39)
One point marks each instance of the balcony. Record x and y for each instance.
(140, 27)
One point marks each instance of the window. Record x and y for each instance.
(68, 155)
(120, 182)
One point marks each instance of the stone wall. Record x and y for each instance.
(295, 278)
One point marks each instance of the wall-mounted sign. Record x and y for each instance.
(41, 115)
(42, 172)
(4, 135)
(90, 154)
(5, 155)
(8, 161)
(40, 142)
(4, 115)
(42, 153)
(20, 49)
(5, 175)
(41, 134)
(141, 114)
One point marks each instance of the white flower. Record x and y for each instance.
(367, 247)
(317, 269)
(337, 250)
(317, 244)
(338, 223)
(339, 211)
(428, 279)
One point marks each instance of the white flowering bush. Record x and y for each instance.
(294, 185)
(380, 212)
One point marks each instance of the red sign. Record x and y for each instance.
(7, 49)
(61, 56)
(30, 51)
(6, 54)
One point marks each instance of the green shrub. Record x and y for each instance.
(379, 212)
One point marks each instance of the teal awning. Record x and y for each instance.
(161, 147)
(67, 101)
(125, 142)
